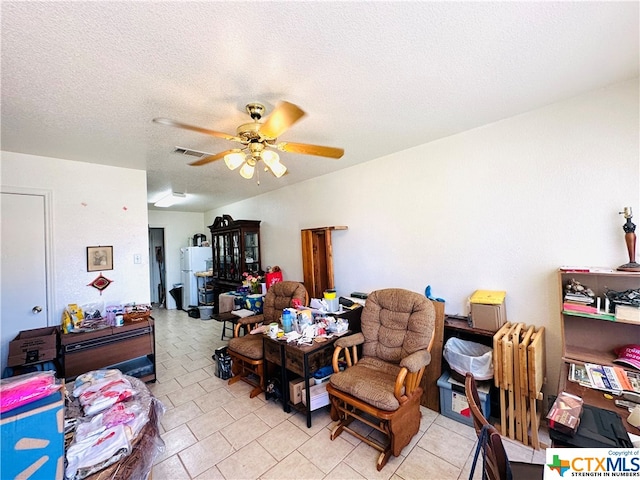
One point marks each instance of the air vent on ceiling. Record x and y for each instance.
(191, 153)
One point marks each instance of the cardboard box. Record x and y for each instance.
(33, 346)
(318, 394)
(488, 317)
(295, 390)
(488, 310)
(454, 403)
(33, 439)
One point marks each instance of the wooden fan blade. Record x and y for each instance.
(307, 149)
(206, 131)
(213, 158)
(281, 119)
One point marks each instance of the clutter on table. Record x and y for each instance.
(303, 326)
(329, 303)
(95, 316)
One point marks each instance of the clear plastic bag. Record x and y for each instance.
(465, 356)
(131, 459)
(22, 389)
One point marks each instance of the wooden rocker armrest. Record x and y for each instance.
(417, 360)
(248, 323)
(250, 320)
(350, 347)
(334, 359)
(406, 383)
(399, 388)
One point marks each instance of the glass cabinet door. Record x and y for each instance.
(218, 248)
(234, 267)
(226, 256)
(251, 252)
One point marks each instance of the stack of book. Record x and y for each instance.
(604, 377)
(579, 302)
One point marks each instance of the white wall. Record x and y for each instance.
(499, 207)
(179, 228)
(92, 205)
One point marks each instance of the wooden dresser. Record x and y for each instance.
(130, 348)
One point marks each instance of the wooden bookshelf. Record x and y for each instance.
(592, 338)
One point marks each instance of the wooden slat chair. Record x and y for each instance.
(497, 465)
(382, 389)
(246, 351)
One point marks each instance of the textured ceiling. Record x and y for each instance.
(82, 80)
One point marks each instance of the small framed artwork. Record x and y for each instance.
(99, 258)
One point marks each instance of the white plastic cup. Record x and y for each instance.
(273, 330)
(119, 320)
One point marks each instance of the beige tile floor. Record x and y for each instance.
(215, 431)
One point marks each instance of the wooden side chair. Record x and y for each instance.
(496, 462)
(246, 351)
(382, 389)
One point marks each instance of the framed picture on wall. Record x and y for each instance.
(99, 258)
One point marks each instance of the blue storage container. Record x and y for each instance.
(254, 303)
(33, 439)
(453, 401)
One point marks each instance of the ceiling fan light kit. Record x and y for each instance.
(278, 169)
(248, 168)
(258, 138)
(234, 160)
(270, 157)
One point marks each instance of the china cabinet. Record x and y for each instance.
(236, 249)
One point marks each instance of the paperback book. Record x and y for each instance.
(578, 298)
(579, 307)
(611, 379)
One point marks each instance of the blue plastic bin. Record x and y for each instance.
(453, 401)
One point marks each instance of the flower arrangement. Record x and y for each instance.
(253, 280)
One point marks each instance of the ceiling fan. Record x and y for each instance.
(258, 139)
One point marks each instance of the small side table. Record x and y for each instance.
(301, 360)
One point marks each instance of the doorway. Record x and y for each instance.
(157, 268)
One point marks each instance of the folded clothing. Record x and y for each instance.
(109, 389)
(97, 450)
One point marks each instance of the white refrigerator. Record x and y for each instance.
(192, 260)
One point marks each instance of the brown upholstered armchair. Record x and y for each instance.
(396, 339)
(246, 351)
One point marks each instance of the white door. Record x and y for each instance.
(23, 261)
